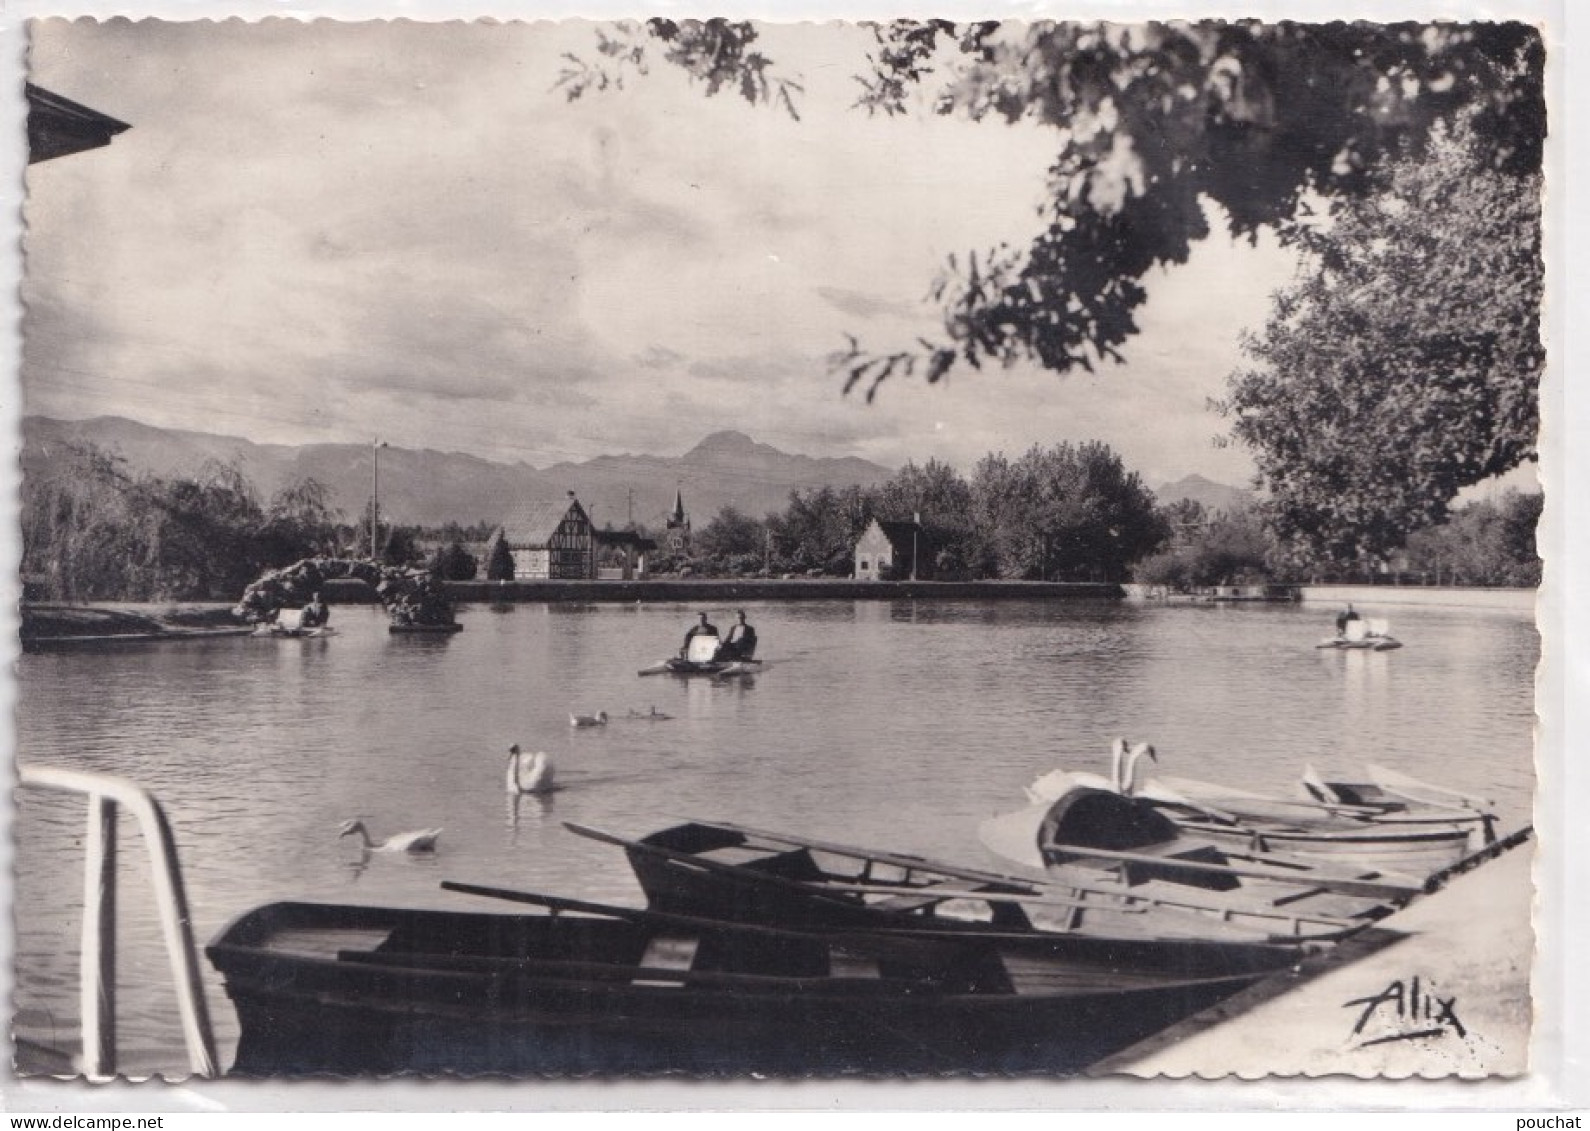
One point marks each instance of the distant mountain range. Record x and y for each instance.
(430, 488)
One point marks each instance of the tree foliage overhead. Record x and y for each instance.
(1154, 119)
(1150, 121)
(717, 53)
(1404, 364)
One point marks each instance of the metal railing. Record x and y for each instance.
(97, 974)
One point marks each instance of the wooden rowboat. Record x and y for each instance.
(1100, 837)
(1394, 795)
(1335, 822)
(723, 669)
(727, 871)
(1411, 840)
(586, 988)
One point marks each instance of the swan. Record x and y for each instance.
(597, 720)
(1123, 775)
(1124, 764)
(528, 773)
(423, 840)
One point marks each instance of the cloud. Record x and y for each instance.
(332, 228)
(862, 305)
(658, 357)
(758, 370)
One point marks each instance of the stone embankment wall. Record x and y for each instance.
(758, 589)
(1376, 595)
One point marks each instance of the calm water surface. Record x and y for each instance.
(896, 725)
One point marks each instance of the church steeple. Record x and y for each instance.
(679, 525)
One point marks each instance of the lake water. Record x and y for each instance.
(895, 725)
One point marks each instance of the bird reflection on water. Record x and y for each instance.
(534, 809)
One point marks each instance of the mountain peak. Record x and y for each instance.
(1212, 496)
(727, 440)
(727, 468)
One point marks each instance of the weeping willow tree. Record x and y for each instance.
(93, 530)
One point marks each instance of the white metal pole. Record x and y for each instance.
(106, 793)
(97, 975)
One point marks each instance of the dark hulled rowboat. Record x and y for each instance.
(324, 988)
(727, 871)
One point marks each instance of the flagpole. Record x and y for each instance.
(375, 502)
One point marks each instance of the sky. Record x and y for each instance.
(320, 232)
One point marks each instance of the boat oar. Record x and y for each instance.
(1278, 808)
(1008, 889)
(1415, 790)
(563, 903)
(1342, 885)
(866, 942)
(924, 950)
(1160, 794)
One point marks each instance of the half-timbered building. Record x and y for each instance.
(550, 540)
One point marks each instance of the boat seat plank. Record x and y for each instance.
(326, 942)
(843, 963)
(793, 863)
(736, 854)
(668, 952)
(926, 896)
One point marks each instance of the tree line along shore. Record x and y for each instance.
(96, 531)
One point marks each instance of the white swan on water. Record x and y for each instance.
(528, 773)
(1122, 779)
(597, 720)
(422, 840)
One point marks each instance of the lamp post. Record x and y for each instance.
(916, 525)
(375, 502)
